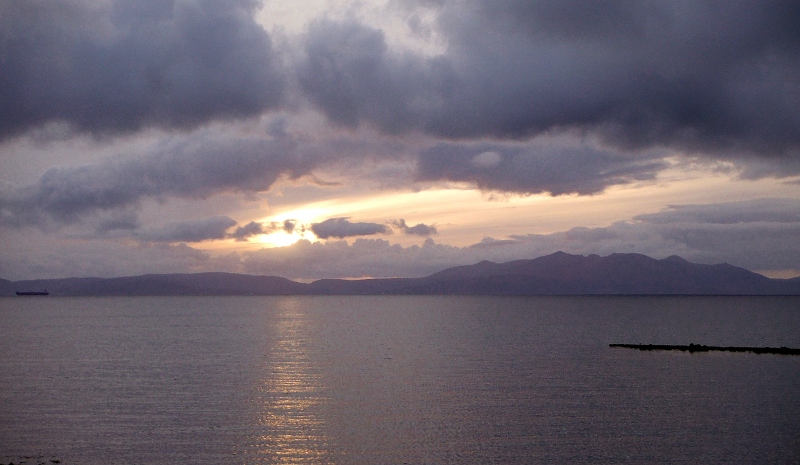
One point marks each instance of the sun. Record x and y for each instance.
(300, 217)
(276, 239)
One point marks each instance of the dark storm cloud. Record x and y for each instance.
(349, 72)
(420, 229)
(721, 77)
(535, 167)
(193, 167)
(342, 227)
(189, 231)
(107, 67)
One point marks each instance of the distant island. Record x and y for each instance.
(556, 274)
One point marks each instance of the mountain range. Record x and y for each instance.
(556, 274)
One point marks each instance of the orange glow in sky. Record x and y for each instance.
(465, 216)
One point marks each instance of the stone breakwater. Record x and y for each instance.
(703, 348)
(29, 460)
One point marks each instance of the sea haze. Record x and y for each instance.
(402, 379)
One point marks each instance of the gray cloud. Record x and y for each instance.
(123, 220)
(339, 228)
(37, 254)
(342, 227)
(488, 242)
(289, 225)
(756, 246)
(189, 231)
(759, 235)
(195, 166)
(749, 211)
(756, 234)
(420, 229)
(242, 233)
(537, 166)
(109, 67)
(699, 76)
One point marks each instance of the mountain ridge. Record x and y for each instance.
(556, 274)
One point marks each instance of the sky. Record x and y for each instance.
(358, 138)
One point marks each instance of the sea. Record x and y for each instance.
(396, 380)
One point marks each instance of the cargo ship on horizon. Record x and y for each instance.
(44, 292)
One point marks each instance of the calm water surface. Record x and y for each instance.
(391, 380)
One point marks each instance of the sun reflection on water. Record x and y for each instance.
(291, 395)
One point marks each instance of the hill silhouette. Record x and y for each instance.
(556, 274)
